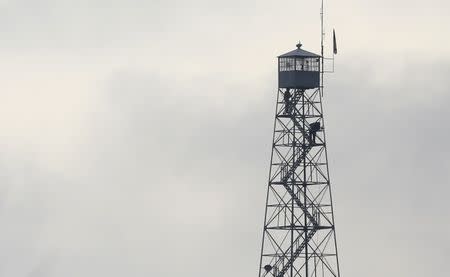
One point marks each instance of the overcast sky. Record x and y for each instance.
(135, 135)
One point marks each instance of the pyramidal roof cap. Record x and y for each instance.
(299, 53)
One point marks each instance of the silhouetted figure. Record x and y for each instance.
(287, 101)
(313, 129)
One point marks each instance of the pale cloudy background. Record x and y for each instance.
(135, 135)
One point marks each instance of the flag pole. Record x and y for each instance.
(334, 47)
(321, 48)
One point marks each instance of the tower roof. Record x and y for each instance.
(299, 53)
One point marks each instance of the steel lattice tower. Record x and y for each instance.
(299, 236)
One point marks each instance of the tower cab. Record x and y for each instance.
(299, 69)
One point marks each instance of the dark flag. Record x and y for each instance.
(334, 43)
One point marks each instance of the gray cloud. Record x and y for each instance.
(135, 139)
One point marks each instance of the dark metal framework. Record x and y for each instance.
(299, 236)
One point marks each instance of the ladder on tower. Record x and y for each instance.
(286, 174)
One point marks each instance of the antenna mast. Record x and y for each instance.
(322, 33)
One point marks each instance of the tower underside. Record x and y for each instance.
(299, 236)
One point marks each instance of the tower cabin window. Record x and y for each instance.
(299, 64)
